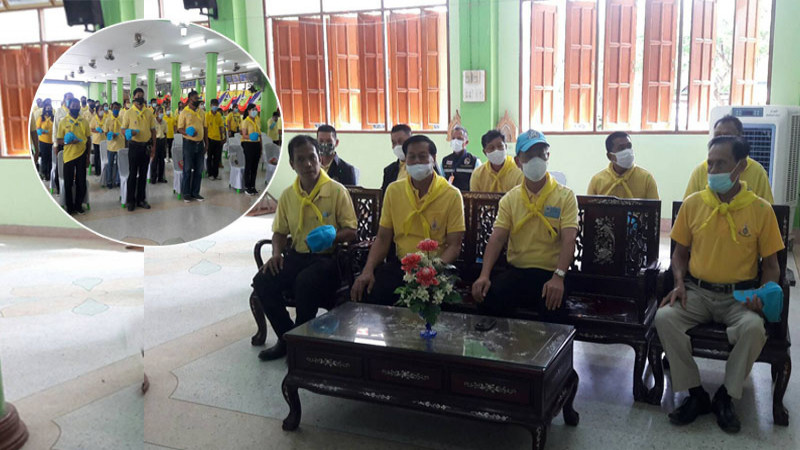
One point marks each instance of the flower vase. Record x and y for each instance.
(428, 332)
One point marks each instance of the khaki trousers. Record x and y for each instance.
(745, 332)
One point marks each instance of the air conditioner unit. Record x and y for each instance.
(773, 133)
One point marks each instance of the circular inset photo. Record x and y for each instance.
(152, 132)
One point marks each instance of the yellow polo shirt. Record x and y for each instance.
(639, 181)
(248, 126)
(274, 128)
(233, 120)
(161, 129)
(189, 118)
(445, 214)
(170, 126)
(36, 112)
(214, 121)
(483, 178)
(97, 138)
(715, 257)
(141, 120)
(754, 175)
(532, 246)
(80, 128)
(46, 125)
(114, 124)
(402, 173)
(334, 203)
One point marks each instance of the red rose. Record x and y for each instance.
(428, 245)
(427, 277)
(410, 262)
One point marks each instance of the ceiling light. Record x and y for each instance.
(184, 31)
(186, 69)
(116, 70)
(250, 65)
(198, 43)
(160, 56)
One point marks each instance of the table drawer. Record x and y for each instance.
(406, 373)
(325, 361)
(496, 388)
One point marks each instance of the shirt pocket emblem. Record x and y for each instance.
(552, 212)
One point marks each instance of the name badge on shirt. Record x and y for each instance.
(552, 212)
(325, 214)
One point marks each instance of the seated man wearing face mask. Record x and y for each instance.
(622, 178)
(396, 170)
(458, 166)
(335, 167)
(538, 221)
(421, 206)
(502, 173)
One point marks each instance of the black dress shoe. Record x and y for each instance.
(276, 351)
(144, 205)
(692, 406)
(131, 206)
(722, 406)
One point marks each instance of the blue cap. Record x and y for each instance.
(528, 139)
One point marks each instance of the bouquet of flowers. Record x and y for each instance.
(427, 283)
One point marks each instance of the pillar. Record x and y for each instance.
(133, 86)
(13, 432)
(118, 11)
(109, 87)
(197, 86)
(120, 91)
(223, 83)
(240, 22)
(211, 79)
(151, 84)
(176, 87)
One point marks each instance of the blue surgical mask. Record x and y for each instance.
(105, 108)
(214, 108)
(116, 112)
(253, 113)
(720, 182)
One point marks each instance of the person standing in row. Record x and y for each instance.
(44, 131)
(251, 143)
(157, 171)
(112, 127)
(138, 126)
(215, 125)
(170, 120)
(275, 127)
(191, 126)
(233, 121)
(73, 140)
(96, 125)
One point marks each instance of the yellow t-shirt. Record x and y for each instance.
(248, 126)
(46, 125)
(754, 175)
(532, 246)
(80, 128)
(161, 129)
(233, 120)
(214, 122)
(444, 214)
(189, 118)
(141, 120)
(715, 257)
(640, 182)
(274, 128)
(114, 124)
(483, 178)
(402, 173)
(36, 112)
(96, 122)
(334, 203)
(170, 126)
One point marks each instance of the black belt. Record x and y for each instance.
(724, 288)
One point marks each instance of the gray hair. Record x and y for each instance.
(459, 127)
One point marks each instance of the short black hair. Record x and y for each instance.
(214, 101)
(490, 136)
(153, 100)
(115, 104)
(137, 90)
(732, 119)
(192, 92)
(740, 147)
(325, 128)
(612, 136)
(277, 112)
(299, 140)
(420, 138)
(401, 127)
(459, 127)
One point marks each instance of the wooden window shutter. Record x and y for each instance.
(343, 63)
(620, 55)
(579, 65)
(701, 63)
(658, 83)
(288, 71)
(405, 74)
(544, 22)
(373, 104)
(429, 46)
(745, 38)
(22, 69)
(312, 59)
(54, 51)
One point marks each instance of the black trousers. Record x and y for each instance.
(139, 160)
(169, 147)
(46, 152)
(96, 159)
(74, 174)
(158, 163)
(388, 277)
(311, 278)
(213, 157)
(252, 154)
(515, 287)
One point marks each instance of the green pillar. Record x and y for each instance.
(211, 79)
(197, 86)
(109, 87)
(133, 86)
(151, 84)
(117, 11)
(120, 91)
(223, 83)
(176, 86)
(240, 22)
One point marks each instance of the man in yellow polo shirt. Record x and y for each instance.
(538, 221)
(753, 174)
(317, 213)
(73, 140)
(191, 124)
(171, 121)
(727, 228)
(502, 173)
(44, 132)
(233, 120)
(215, 125)
(396, 170)
(112, 127)
(96, 125)
(622, 178)
(139, 128)
(421, 206)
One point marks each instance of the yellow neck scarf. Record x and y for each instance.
(535, 209)
(308, 199)
(620, 180)
(508, 166)
(437, 187)
(743, 199)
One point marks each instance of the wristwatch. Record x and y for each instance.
(560, 273)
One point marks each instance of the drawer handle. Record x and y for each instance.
(489, 416)
(328, 362)
(431, 405)
(490, 388)
(326, 387)
(405, 374)
(377, 396)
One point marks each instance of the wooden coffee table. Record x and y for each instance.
(519, 372)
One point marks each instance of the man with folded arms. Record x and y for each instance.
(317, 213)
(727, 228)
(422, 206)
(502, 173)
(622, 178)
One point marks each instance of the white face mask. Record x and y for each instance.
(625, 158)
(398, 151)
(160, 115)
(535, 169)
(253, 113)
(496, 157)
(420, 171)
(457, 145)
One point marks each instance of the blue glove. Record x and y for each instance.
(110, 135)
(128, 134)
(272, 125)
(253, 136)
(191, 131)
(771, 296)
(321, 238)
(98, 129)
(39, 131)
(69, 137)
